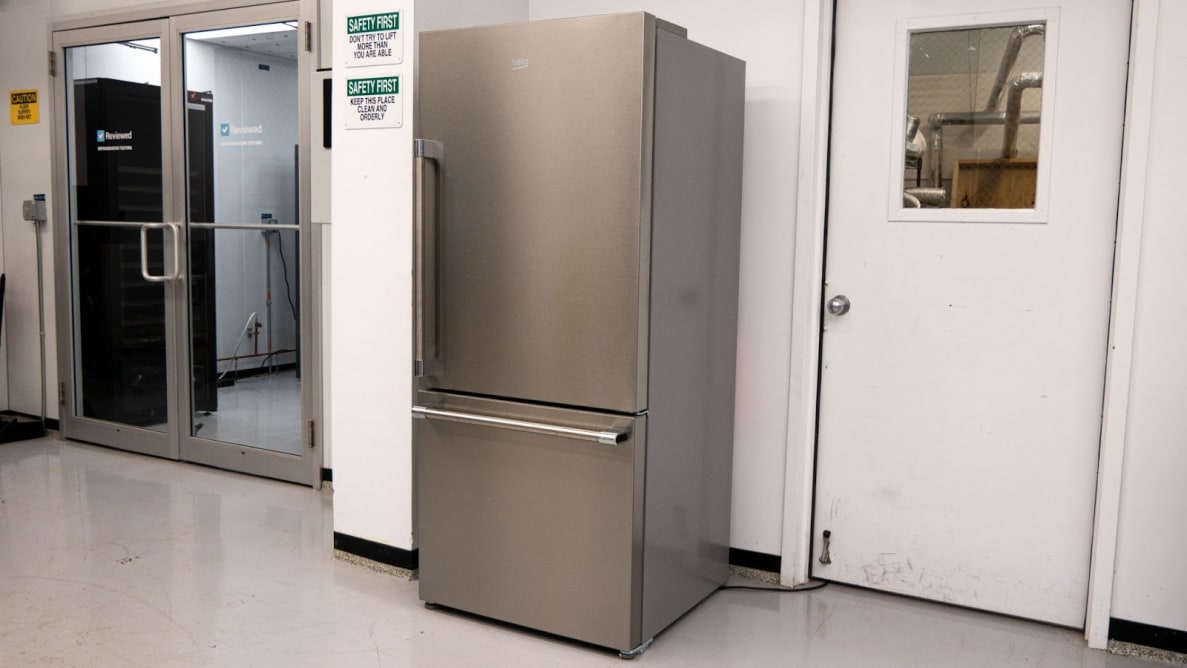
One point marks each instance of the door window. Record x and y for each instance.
(113, 113)
(241, 161)
(972, 136)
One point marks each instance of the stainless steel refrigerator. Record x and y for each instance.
(579, 196)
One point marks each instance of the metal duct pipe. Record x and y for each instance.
(912, 127)
(1014, 109)
(928, 197)
(1008, 59)
(937, 122)
(911, 202)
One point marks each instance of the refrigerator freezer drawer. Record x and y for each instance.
(532, 515)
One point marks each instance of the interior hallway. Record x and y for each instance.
(114, 559)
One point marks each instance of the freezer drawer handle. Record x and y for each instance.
(609, 437)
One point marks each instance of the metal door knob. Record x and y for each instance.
(838, 305)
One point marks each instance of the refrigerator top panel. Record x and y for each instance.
(544, 191)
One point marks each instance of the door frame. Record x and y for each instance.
(173, 21)
(808, 290)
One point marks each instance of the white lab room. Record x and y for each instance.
(575, 332)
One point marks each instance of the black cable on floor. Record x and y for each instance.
(805, 587)
(288, 290)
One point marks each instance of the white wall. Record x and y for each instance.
(1150, 585)
(768, 36)
(369, 357)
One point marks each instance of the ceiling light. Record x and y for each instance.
(240, 31)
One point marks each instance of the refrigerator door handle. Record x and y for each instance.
(606, 437)
(425, 260)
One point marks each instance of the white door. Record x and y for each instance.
(961, 393)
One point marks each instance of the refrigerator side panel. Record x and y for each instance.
(541, 222)
(697, 185)
(531, 528)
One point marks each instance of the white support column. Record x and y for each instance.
(370, 292)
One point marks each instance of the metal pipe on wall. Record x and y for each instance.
(990, 116)
(1009, 58)
(937, 122)
(1014, 109)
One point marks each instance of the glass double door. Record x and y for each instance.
(180, 253)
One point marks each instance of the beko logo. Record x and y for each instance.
(519, 64)
(107, 135)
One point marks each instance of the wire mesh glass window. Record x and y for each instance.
(974, 100)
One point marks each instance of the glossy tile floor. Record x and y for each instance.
(114, 559)
(261, 411)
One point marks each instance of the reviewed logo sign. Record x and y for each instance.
(114, 140)
(375, 102)
(233, 134)
(374, 39)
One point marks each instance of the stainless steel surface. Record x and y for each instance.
(427, 148)
(1009, 57)
(606, 437)
(697, 201)
(247, 226)
(424, 256)
(839, 305)
(588, 250)
(545, 207)
(528, 528)
(910, 201)
(1014, 109)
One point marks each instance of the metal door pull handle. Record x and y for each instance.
(173, 230)
(609, 437)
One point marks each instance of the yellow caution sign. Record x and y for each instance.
(22, 106)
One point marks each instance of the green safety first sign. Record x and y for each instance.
(374, 102)
(374, 39)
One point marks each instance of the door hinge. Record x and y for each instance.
(312, 435)
(61, 394)
(52, 69)
(309, 36)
